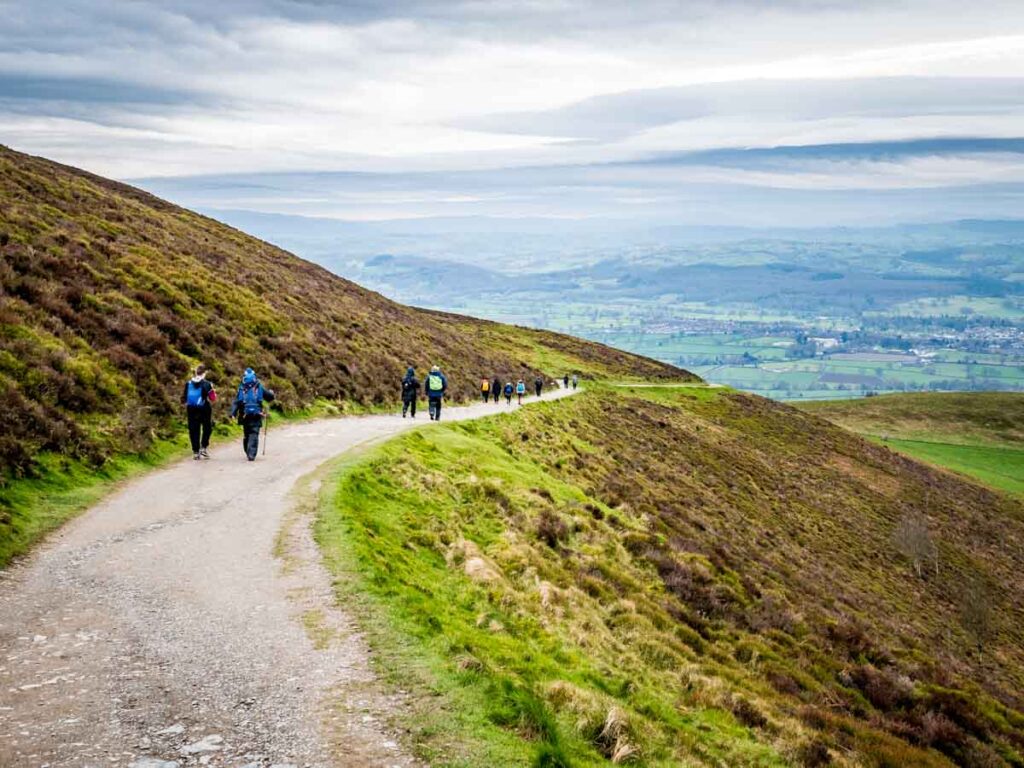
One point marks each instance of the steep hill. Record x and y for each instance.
(685, 576)
(108, 296)
(979, 434)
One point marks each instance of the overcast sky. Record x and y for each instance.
(737, 111)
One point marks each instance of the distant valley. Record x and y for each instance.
(791, 314)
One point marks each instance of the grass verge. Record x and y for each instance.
(679, 576)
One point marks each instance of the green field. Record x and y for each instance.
(978, 434)
(1001, 468)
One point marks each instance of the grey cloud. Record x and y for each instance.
(93, 90)
(619, 115)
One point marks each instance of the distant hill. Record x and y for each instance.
(109, 296)
(979, 434)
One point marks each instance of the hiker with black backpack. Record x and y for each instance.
(248, 408)
(565, 381)
(435, 385)
(410, 392)
(496, 389)
(197, 398)
(538, 385)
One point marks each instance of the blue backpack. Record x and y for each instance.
(195, 396)
(251, 396)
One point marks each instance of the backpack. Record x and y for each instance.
(251, 396)
(435, 382)
(520, 387)
(508, 388)
(485, 385)
(408, 386)
(195, 397)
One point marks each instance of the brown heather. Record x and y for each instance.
(109, 296)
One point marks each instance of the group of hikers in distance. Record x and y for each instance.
(249, 410)
(435, 386)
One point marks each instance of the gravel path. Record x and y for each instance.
(187, 620)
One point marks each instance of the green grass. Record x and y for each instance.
(504, 684)
(978, 434)
(1001, 468)
(685, 574)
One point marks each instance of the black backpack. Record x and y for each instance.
(408, 386)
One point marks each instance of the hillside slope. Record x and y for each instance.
(978, 434)
(684, 575)
(108, 296)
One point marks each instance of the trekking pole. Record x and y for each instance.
(266, 429)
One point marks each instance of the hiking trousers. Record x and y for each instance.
(434, 406)
(538, 388)
(497, 394)
(486, 394)
(200, 425)
(251, 426)
(409, 406)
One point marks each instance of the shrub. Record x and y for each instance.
(552, 529)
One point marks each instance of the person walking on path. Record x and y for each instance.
(410, 392)
(197, 398)
(485, 390)
(508, 392)
(435, 385)
(248, 407)
(520, 391)
(565, 381)
(575, 380)
(496, 389)
(538, 385)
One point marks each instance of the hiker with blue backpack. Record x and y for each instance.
(435, 385)
(197, 398)
(248, 408)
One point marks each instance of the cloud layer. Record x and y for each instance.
(570, 108)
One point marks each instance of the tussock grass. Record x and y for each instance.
(666, 577)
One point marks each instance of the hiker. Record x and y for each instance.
(520, 391)
(410, 392)
(565, 381)
(435, 385)
(197, 398)
(248, 408)
(496, 388)
(575, 380)
(508, 392)
(538, 384)
(485, 390)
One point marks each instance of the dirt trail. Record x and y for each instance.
(160, 629)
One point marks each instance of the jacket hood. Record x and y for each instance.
(410, 372)
(249, 376)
